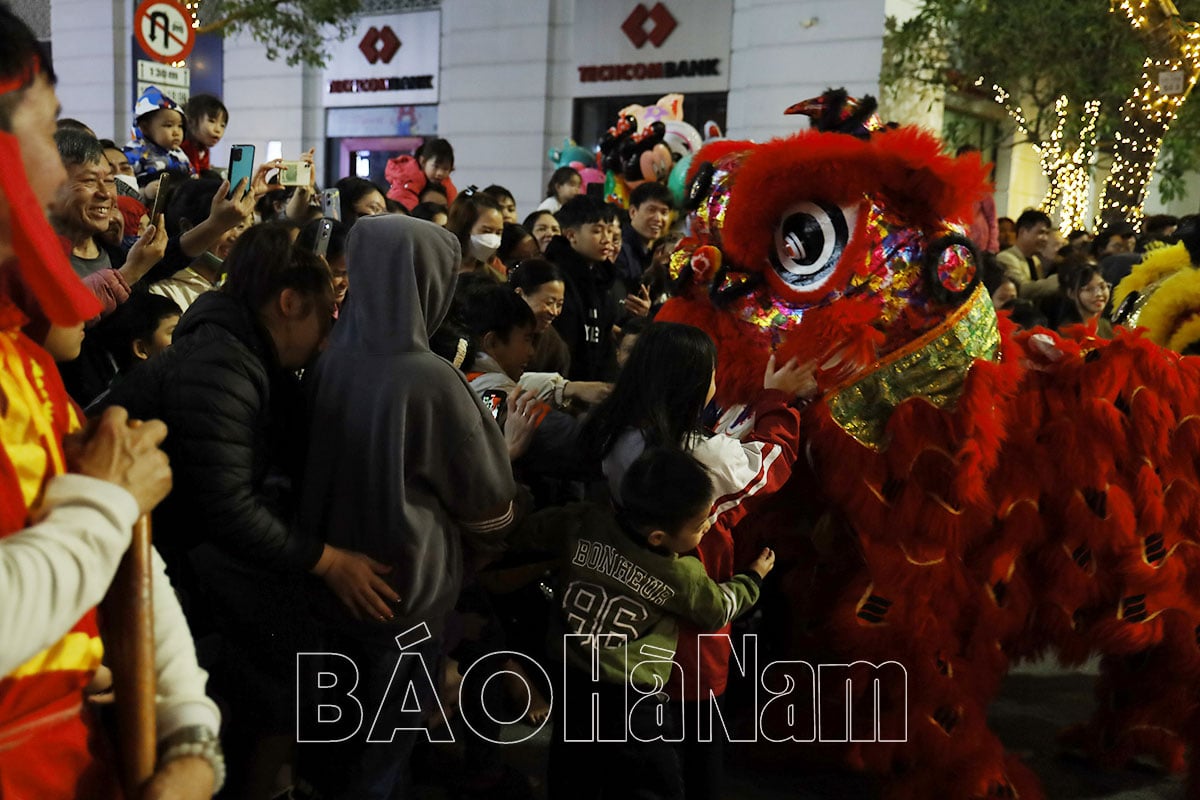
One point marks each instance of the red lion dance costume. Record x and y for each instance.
(970, 497)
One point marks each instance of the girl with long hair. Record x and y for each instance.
(658, 401)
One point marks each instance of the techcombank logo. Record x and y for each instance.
(651, 25)
(380, 44)
(635, 25)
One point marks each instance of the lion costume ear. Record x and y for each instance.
(41, 261)
(922, 183)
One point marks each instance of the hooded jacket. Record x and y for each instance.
(234, 419)
(407, 180)
(404, 458)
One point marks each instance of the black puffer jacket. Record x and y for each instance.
(588, 312)
(235, 428)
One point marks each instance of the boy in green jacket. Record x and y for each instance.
(624, 586)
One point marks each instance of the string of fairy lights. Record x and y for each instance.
(193, 8)
(1075, 176)
(1146, 117)
(1148, 114)
(1067, 169)
(1070, 168)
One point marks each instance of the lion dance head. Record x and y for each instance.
(839, 244)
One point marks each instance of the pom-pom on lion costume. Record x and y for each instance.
(971, 497)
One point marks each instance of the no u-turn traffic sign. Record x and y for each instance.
(164, 30)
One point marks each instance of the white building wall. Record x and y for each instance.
(1184, 205)
(267, 102)
(559, 100)
(506, 72)
(492, 104)
(503, 109)
(1026, 185)
(786, 51)
(91, 40)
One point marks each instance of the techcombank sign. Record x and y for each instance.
(648, 48)
(389, 60)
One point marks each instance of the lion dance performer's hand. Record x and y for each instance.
(125, 452)
(185, 778)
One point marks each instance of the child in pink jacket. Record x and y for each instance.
(410, 175)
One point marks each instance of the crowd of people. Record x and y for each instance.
(368, 407)
(359, 420)
(1044, 280)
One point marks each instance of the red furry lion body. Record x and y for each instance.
(970, 497)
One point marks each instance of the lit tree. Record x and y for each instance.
(297, 28)
(1168, 74)
(1066, 165)
(1039, 60)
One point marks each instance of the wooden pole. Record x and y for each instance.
(128, 615)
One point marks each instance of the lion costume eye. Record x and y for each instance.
(809, 242)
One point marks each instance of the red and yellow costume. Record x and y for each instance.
(970, 497)
(44, 737)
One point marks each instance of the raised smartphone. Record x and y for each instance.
(331, 204)
(321, 245)
(160, 199)
(241, 165)
(295, 173)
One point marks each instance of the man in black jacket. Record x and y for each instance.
(588, 315)
(650, 206)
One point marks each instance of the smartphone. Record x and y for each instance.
(494, 400)
(295, 173)
(160, 199)
(323, 233)
(331, 204)
(241, 165)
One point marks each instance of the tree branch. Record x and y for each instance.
(246, 12)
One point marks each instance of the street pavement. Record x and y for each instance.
(1036, 702)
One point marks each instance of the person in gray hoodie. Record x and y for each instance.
(403, 463)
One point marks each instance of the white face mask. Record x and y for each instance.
(130, 183)
(484, 245)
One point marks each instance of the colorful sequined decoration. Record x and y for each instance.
(956, 268)
(933, 367)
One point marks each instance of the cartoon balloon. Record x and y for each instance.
(588, 173)
(677, 182)
(616, 190)
(656, 163)
(682, 138)
(610, 183)
(569, 152)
